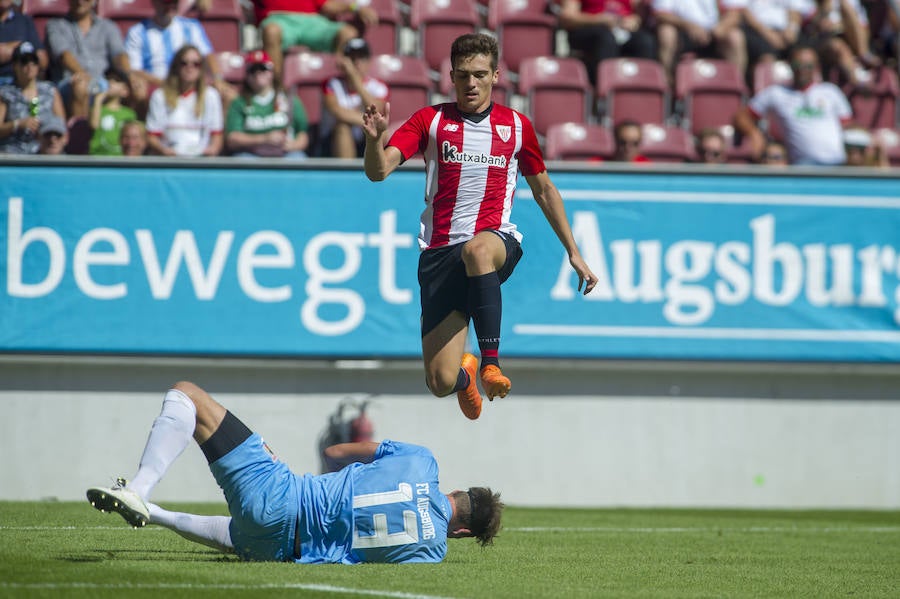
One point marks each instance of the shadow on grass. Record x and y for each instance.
(144, 555)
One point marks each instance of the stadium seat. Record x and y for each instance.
(578, 141)
(408, 82)
(125, 13)
(439, 22)
(231, 66)
(42, 11)
(558, 91)
(708, 92)
(223, 22)
(667, 143)
(770, 73)
(632, 89)
(524, 29)
(304, 75)
(503, 89)
(384, 37)
(875, 103)
(889, 138)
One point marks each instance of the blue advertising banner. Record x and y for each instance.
(323, 263)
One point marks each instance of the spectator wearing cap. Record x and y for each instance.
(15, 28)
(862, 149)
(263, 121)
(344, 99)
(82, 47)
(152, 43)
(26, 103)
(133, 138)
(310, 23)
(53, 136)
(108, 113)
(185, 114)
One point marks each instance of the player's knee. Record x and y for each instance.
(477, 253)
(439, 384)
(191, 390)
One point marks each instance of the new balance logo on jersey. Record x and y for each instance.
(450, 153)
(451, 127)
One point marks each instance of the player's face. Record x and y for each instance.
(473, 79)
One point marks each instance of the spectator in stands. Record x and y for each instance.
(53, 136)
(601, 29)
(839, 30)
(344, 99)
(771, 28)
(812, 114)
(862, 149)
(185, 114)
(152, 43)
(82, 47)
(628, 136)
(133, 138)
(775, 154)
(26, 103)
(15, 28)
(310, 23)
(263, 120)
(108, 113)
(711, 146)
(700, 27)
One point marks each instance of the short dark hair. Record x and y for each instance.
(482, 514)
(471, 44)
(625, 124)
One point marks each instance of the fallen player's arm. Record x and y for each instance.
(346, 453)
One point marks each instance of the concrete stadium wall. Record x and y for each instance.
(570, 434)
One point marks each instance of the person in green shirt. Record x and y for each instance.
(108, 113)
(263, 121)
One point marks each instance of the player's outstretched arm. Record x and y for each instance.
(378, 161)
(346, 453)
(548, 198)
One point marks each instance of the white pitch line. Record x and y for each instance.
(225, 587)
(776, 529)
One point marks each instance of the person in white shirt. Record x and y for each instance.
(709, 28)
(812, 114)
(185, 114)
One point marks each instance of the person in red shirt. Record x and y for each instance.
(310, 23)
(628, 136)
(473, 150)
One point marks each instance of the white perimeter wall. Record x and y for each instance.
(570, 434)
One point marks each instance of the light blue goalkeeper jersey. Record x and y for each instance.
(390, 510)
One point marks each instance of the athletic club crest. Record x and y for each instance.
(504, 131)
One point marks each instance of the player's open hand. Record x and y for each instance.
(374, 122)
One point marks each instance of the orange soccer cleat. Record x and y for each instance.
(469, 398)
(493, 382)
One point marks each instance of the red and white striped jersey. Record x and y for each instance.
(470, 169)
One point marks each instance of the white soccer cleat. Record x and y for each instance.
(124, 502)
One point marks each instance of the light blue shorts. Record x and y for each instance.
(261, 492)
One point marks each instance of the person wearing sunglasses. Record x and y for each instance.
(264, 121)
(711, 146)
(185, 114)
(628, 136)
(25, 103)
(775, 154)
(812, 114)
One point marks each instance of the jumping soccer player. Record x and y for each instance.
(384, 505)
(473, 150)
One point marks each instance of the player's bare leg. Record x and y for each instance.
(448, 368)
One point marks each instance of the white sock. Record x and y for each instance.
(211, 531)
(171, 432)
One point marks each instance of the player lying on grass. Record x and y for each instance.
(384, 505)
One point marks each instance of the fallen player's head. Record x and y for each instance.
(479, 511)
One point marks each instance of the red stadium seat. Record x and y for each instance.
(384, 37)
(438, 23)
(503, 89)
(558, 91)
(42, 11)
(578, 141)
(709, 92)
(223, 22)
(770, 73)
(666, 144)
(408, 82)
(524, 28)
(231, 66)
(633, 89)
(304, 75)
(125, 13)
(875, 103)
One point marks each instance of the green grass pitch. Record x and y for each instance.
(51, 549)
